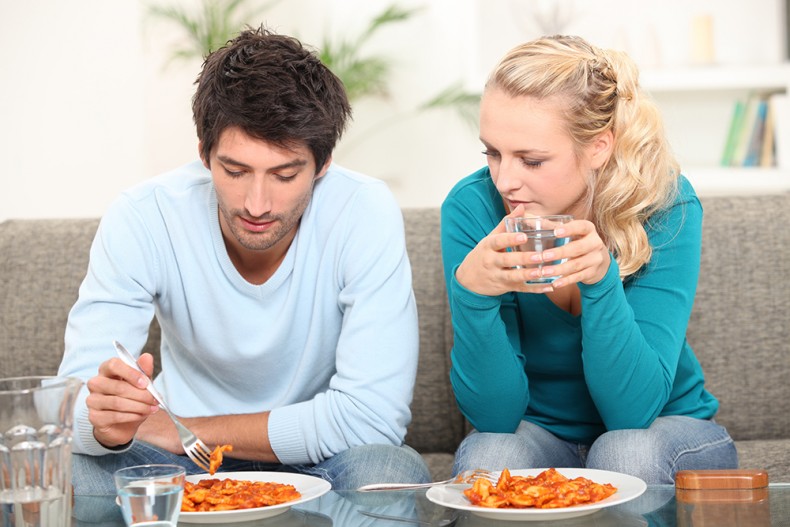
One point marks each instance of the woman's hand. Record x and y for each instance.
(587, 258)
(490, 269)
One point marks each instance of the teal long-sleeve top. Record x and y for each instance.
(618, 365)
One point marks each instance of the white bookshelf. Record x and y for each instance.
(697, 105)
(717, 78)
(734, 180)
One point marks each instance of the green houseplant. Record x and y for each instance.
(209, 27)
(363, 75)
(217, 21)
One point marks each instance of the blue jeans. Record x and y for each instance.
(93, 475)
(654, 454)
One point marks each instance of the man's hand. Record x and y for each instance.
(118, 402)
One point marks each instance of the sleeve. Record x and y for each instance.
(633, 334)
(376, 356)
(115, 302)
(487, 372)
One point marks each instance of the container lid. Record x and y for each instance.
(721, 479)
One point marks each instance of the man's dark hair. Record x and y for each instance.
(274, 89)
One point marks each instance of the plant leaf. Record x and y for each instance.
(363, 76)
(457, 98)
(208, 28)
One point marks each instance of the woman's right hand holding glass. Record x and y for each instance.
(491, 270)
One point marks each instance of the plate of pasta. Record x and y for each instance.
(261, 494)
(540, 494)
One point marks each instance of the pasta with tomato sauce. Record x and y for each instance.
(547, 490)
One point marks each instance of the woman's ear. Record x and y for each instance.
(601, 149)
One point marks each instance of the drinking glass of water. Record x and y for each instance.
(36, 429)
(540, 237)
(150, 494)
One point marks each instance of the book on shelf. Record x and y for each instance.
(754, 141)
(752, 134)
(768, 147)
(733, 133)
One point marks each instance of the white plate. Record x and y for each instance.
(628, 488)
(309, 487)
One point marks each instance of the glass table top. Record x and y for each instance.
(657, 507)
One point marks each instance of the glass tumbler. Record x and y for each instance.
(36, 426)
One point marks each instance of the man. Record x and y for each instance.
(280, 281)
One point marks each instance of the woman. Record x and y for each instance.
(592, 370)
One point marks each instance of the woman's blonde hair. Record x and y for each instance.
(599, 91)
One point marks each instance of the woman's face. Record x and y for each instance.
(531, 155)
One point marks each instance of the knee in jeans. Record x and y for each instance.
(377, 463)
(491, 451)
(639, 442)
(485, 442)
(624, 450)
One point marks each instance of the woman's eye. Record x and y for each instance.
(531, 163)
(490, 153)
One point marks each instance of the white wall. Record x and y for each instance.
(71, 106)
(89, 106)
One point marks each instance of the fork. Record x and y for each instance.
(194, 447)
(467, 476)
(443, 522)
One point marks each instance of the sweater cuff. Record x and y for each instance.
(462, 295)
(84, 440)
(285, 436)
(609, 281)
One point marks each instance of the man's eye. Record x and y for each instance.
(233, 173)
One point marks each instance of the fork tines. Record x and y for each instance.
(200, 454)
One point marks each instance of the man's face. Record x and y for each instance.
(262, 190)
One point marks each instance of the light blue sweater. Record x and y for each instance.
(329, 343)
(620, 364)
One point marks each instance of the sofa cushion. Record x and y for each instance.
(770, 455)
(43, 263)
(437, 425)
(740, 323)
(440, 465)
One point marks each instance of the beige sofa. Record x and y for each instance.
(740, 326)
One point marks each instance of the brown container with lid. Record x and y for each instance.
(707, 498)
